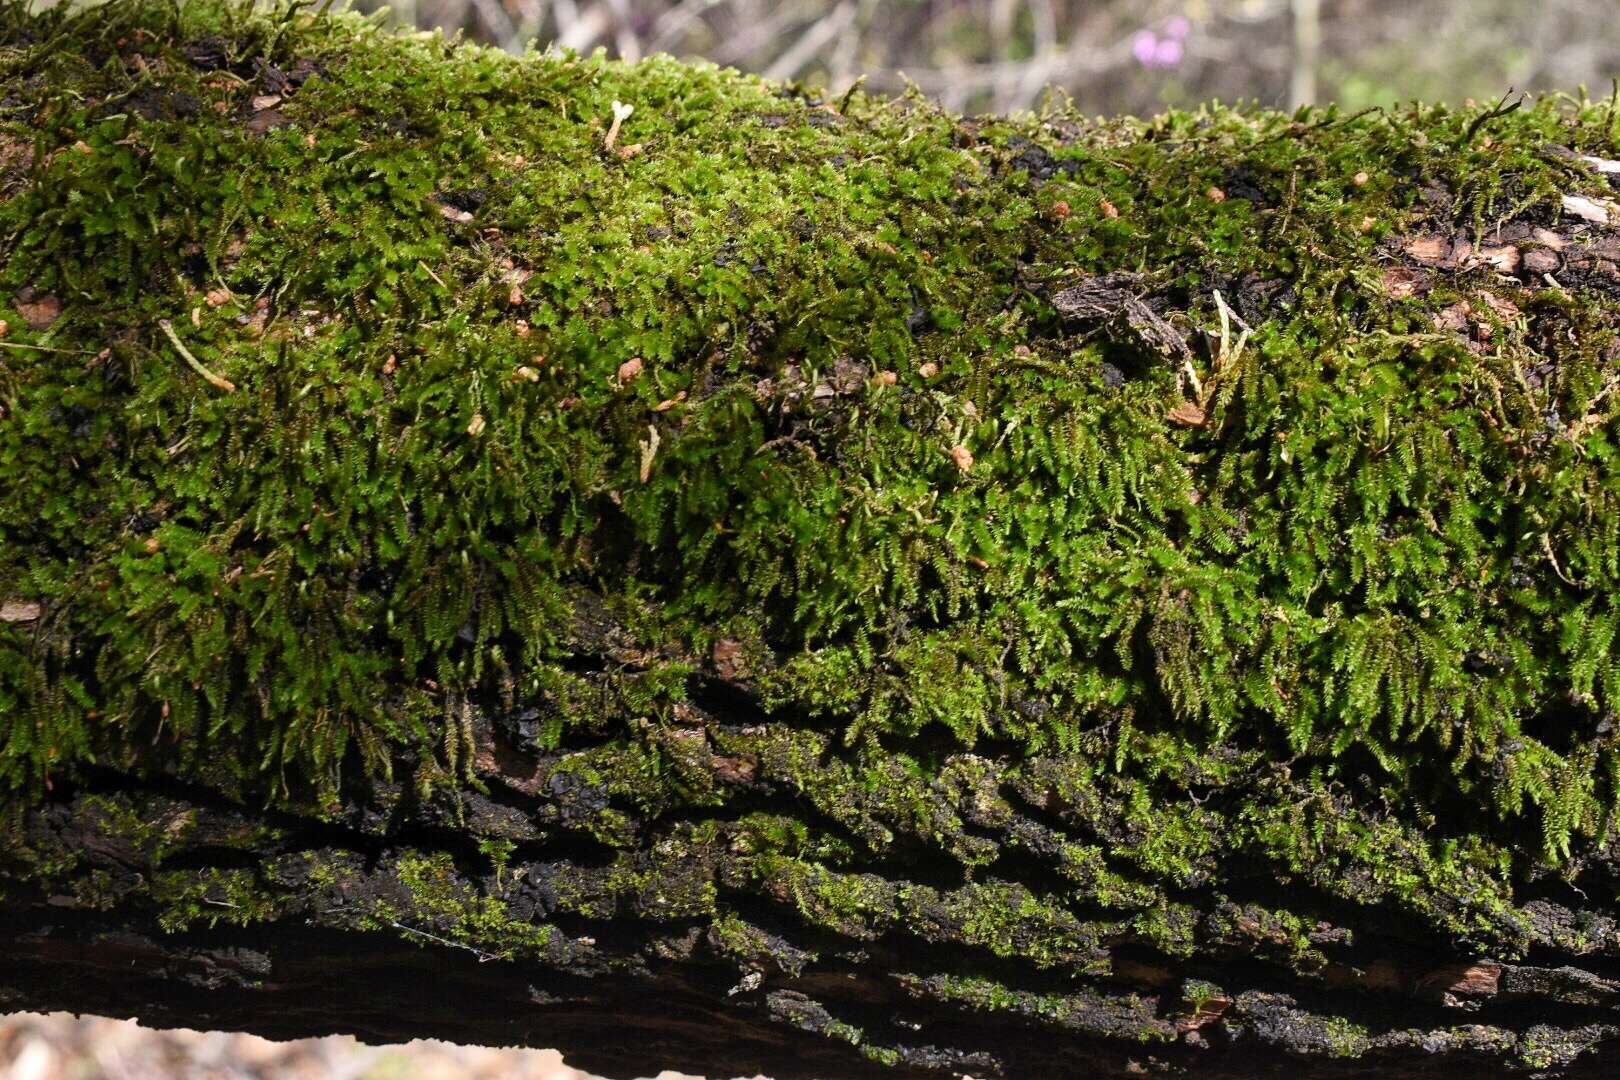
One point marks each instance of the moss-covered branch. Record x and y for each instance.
(820, 582)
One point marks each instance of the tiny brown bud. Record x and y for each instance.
(887, 378)
(1360, 178)
(963, 457)
(1109, 210)
(476, 427)
(1060, 209)
(526, 372)
(630, 369)
(928, 370)
(389, 365)
(1216, 195)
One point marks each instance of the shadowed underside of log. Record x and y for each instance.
(394, 927)
(657, 564)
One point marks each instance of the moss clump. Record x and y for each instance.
(479, 359)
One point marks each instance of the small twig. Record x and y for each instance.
(1500, 109)
(1546, 544)
(429, 271)
(854, 87)
(196, 365)
(483, 957)
(1300, 130)
(44, 348)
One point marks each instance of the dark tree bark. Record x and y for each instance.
(376, 931)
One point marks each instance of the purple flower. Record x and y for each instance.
(1155, 51)
(1145, 47)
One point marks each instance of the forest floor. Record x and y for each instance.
(60, 1046)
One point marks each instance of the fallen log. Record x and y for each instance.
(651, 562)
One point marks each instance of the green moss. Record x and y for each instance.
(439, 903)
(770, 459)
(189, 897)
(1127, 1016)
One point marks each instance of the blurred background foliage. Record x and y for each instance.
(1111, 56)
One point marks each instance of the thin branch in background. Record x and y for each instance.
(624, 31)
(1002, 54)
(1307, 53)
(497, 22)
(580, 32)
(675, 21)
(815, 38)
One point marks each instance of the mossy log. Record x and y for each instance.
(650, 562)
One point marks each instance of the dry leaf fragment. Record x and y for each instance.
(1504, 308)
(1597, 211)
(526, 372)
(1400, 282)
(38, 311)
(266, 120)
(15, 611)
(1454, 318)
(1504, 258)
(1540, 261)
(670, 403)
(476, 427)
(729, 661)
(452, 213)
(1548, 238)
(1602, 165)
(1429, 250)
(265, 101)
(1187, 414)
